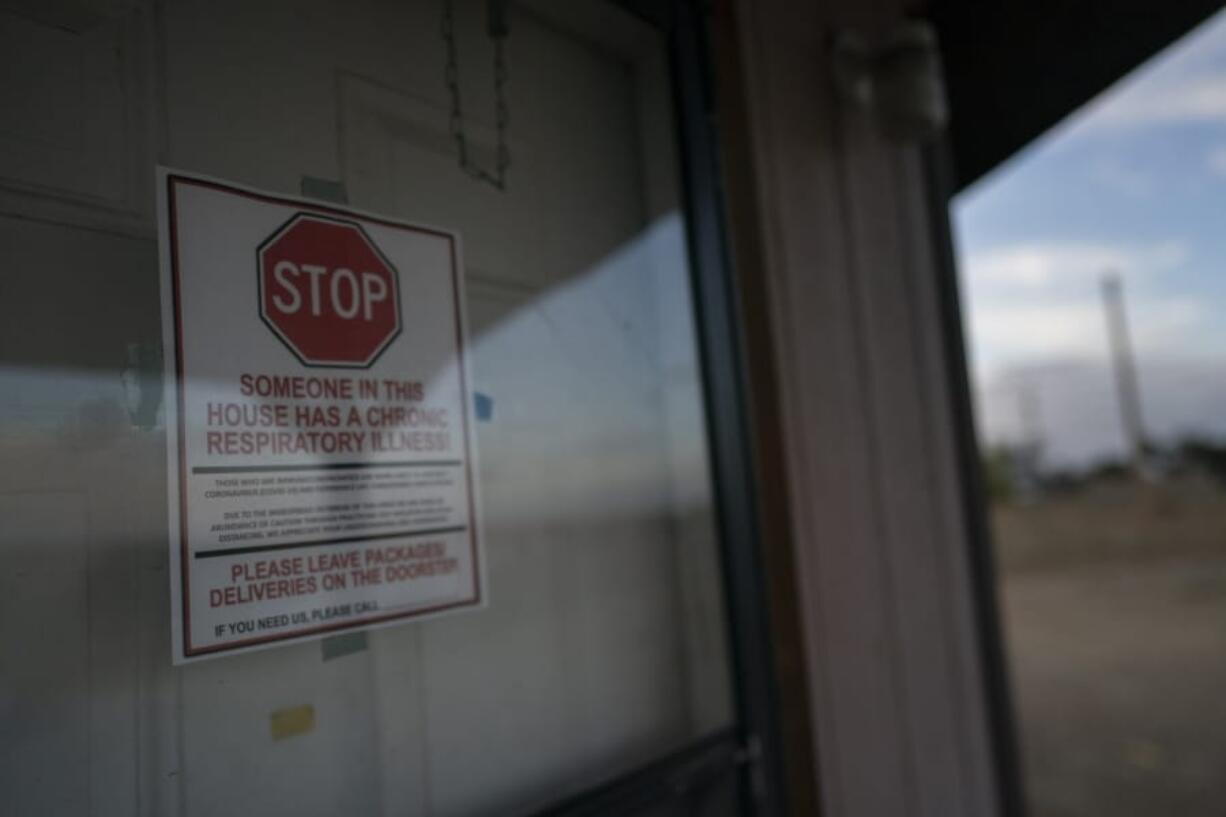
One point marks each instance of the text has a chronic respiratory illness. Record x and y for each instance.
(294, 414)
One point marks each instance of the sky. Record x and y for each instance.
(1133, 183)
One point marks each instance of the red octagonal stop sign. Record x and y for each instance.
(327, 291)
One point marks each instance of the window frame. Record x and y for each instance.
(750, 750)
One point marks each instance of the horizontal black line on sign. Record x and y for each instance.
(403, 534)
(323, 466)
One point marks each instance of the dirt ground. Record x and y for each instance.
(1115, 615)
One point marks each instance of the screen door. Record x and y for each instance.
(543, 135)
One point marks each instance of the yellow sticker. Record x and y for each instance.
(296, 720)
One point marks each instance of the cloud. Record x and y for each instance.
(1078, 328)
(1046, 265)
(1041, 300)
(1189, 100)
(1037, 330)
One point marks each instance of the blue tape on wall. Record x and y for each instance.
(483, 405)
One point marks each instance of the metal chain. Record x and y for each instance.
(497, 33)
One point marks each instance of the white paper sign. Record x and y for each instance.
(321, 459)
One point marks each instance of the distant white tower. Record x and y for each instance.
(1128, 391)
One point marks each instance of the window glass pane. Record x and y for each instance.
(602, 645)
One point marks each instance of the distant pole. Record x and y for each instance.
(1030, 451)
(1127, 390)
(1028, 409)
